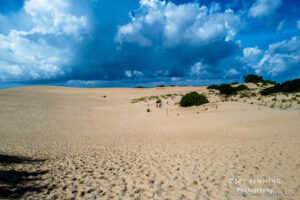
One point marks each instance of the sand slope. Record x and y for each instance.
(99, 147)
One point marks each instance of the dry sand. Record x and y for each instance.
(95, 147)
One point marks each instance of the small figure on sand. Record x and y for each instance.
(158, 103)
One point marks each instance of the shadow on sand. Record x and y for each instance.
(15, 183)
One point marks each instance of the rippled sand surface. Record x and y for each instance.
(70, 143)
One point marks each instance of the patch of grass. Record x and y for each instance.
(148, 110)
(193, 99)
(283, 100)
(158, 101)
(243, 95)
(104, 96)
(274, 99)
(152, 97)
(138, 100)
(294, 98)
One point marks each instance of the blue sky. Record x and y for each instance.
(125, 43)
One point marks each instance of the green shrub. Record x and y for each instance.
(215, 87)
(161, 86)
(287, 87)
(252, 78)
(148, 110)
(193, 99)
(158, 101)
(241, 87)
(140, 86)
(271, 90)
(269, 82)
(291, 86)
(233, 83)
(227, 89)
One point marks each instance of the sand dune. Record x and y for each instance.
(96, 144)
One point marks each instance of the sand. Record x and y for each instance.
(72, 143)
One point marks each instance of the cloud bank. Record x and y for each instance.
(94, 43)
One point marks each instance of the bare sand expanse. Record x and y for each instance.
(71, 143)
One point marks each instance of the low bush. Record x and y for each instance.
(252, 78)
(291, 86)
(193, 99)
(227, 89)
(286, 87)
(158, 101)
(269, 82)
(241, 87)
(148, 110)
(215, 87)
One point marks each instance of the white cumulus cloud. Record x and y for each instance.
(251, 54)
(173, 24)
(54, 17)
(33, 54)
(199, 69)
(281, 57)
(261, 8)
(134, 73)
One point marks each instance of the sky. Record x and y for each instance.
(128, 43)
